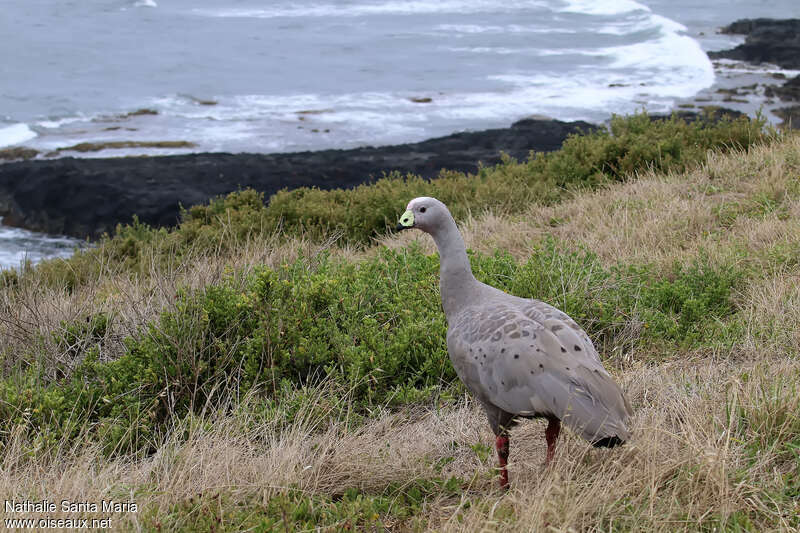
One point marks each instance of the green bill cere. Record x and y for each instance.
(407, 220)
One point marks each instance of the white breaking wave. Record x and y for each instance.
(652, 73)
(57, 123)
(15, 134)
(670, 53)
(674, 63)
(145, 3)
(379, 8)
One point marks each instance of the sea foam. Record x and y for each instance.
(15, 134)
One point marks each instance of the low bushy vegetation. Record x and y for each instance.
(375, 328)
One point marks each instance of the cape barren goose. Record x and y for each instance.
(518, 357)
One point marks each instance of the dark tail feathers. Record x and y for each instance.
(608, 442)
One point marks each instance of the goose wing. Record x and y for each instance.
(530, 359)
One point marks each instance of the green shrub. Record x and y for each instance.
(681, 307)
(637, 142)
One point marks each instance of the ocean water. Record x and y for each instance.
(19, 246)
(288, 75)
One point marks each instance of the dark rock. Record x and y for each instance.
(768, 41)
(86, 197)
(789, 91)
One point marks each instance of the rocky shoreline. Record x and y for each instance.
(767, 41)
(87, 197)
(775, 42)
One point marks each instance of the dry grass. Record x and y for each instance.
(709, 427)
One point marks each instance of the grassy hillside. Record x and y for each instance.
(284, 367)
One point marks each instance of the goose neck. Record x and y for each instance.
(456, 282)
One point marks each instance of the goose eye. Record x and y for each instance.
(422, 209)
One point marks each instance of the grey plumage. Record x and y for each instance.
(518, 356)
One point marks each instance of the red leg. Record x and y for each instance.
(502, 456)
(551, 434)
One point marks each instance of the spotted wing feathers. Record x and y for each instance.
(530, 359)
